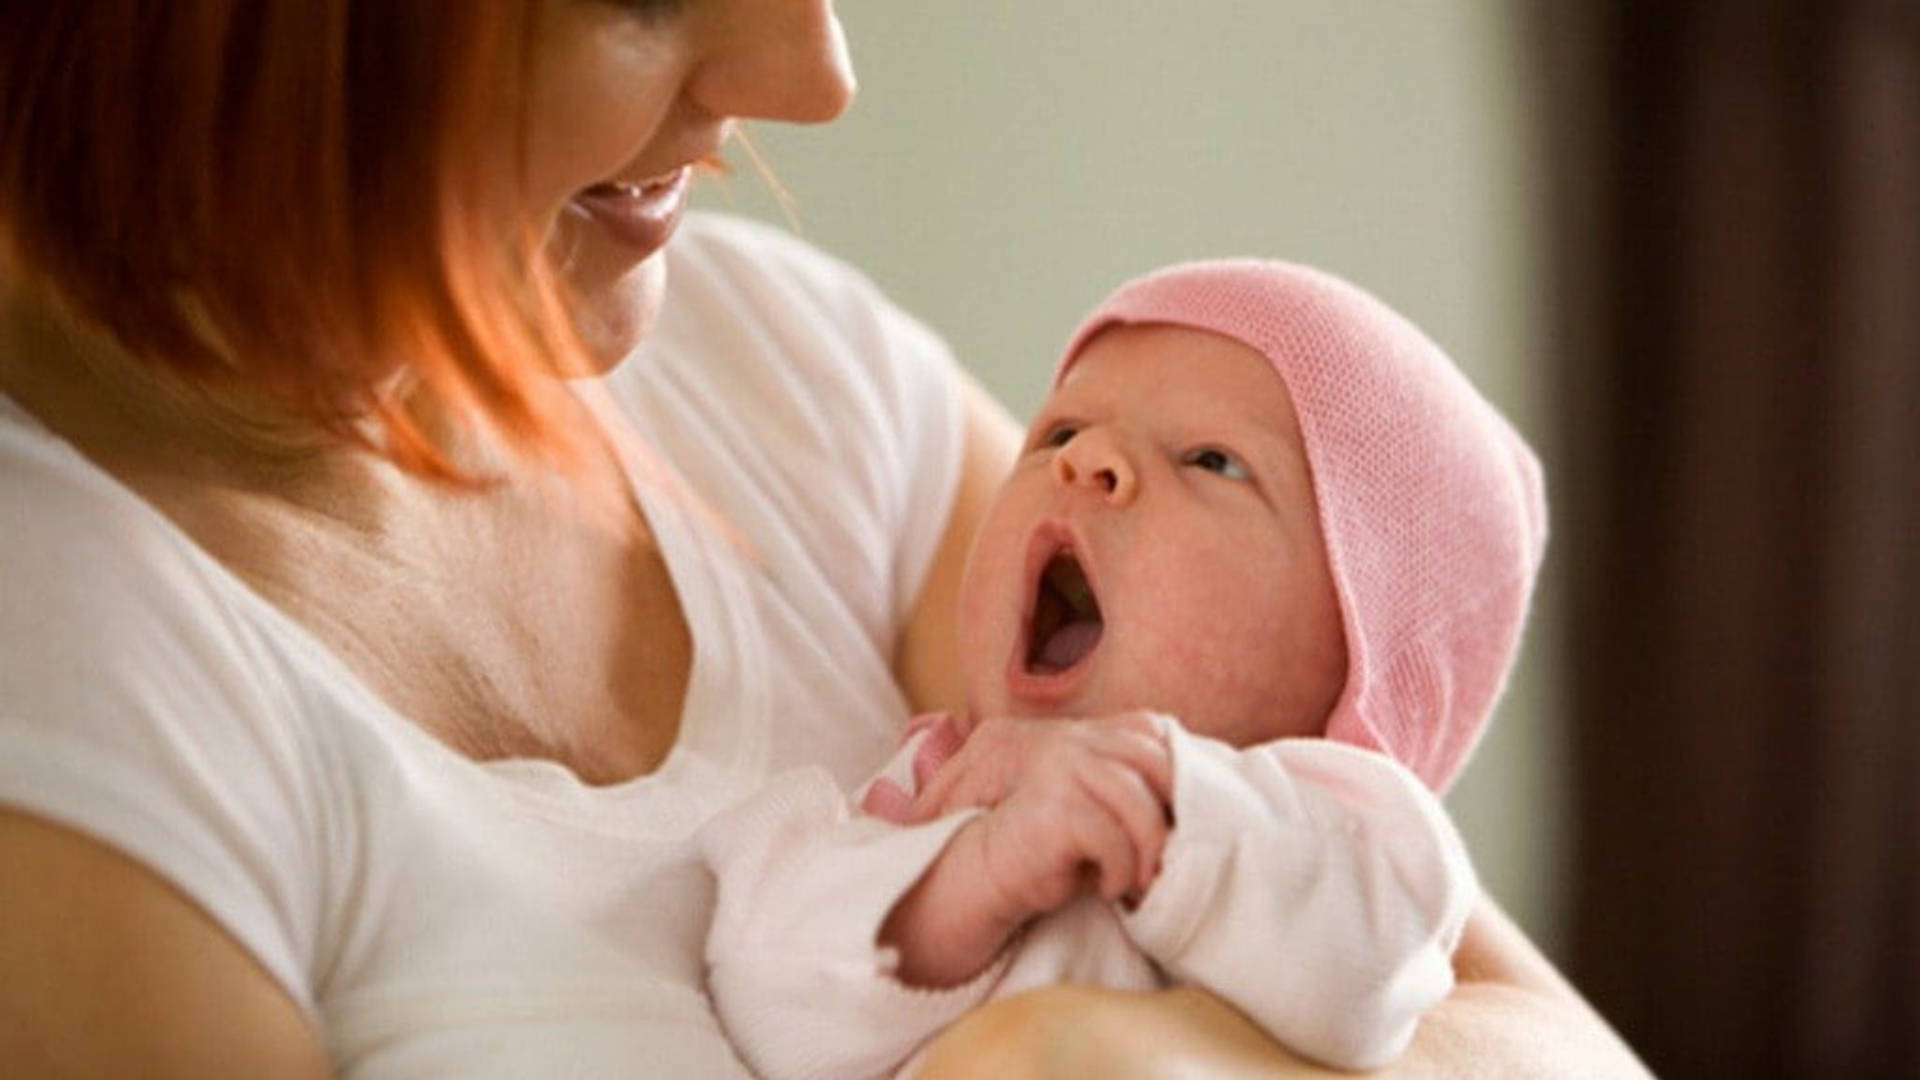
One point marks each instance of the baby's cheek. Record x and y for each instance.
(979, 637)
(1230, 670)
(1183, 669)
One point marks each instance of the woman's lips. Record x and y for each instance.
(640, 215)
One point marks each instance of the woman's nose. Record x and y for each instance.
(774, 60)
(1095, 460)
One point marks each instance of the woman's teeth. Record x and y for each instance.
(661, 182)
(641, 189)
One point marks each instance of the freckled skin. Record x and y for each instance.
(1213, 582)
(1173, 461)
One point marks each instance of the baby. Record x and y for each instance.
(1241, 610)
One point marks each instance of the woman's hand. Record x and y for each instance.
(1070, 1031)
(1511, 1015)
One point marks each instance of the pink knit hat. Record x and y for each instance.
(1431, 503)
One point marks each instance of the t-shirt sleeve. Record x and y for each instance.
(834, 409)
(1317, 886)
(133, 709)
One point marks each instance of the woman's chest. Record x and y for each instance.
(606, 658)
(580, 655)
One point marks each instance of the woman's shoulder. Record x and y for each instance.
(135, 703)
(111, 614)
(758, 259)
(75, 540)
(734, 283)
(764, 332)
(787, 388)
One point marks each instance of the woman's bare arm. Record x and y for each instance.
(1512, 1015)
(111, 972)
(926, 663)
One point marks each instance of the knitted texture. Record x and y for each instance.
(1431, 504)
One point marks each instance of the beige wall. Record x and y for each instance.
(1009, 161)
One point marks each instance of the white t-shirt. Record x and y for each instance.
(441, 917)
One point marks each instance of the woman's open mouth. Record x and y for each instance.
(641, 214)
(1066, 624)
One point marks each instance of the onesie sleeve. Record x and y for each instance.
(795, 974)
(1318, 887)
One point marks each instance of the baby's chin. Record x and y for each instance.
(1253, 729)
(1092, 701)
(1237, 724)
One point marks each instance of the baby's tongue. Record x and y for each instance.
(1070, 644)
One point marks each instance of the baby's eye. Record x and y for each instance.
(649, 11)
(1215, 460)
(1058, 436)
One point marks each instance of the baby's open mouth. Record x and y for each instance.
(1066, 617)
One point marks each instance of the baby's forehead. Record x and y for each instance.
(1171, 369)
(1192, 389)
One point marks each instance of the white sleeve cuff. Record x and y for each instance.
(1317, 886)
(793, 963)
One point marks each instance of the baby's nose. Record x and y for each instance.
(1093, 459)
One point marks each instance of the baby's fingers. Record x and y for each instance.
(1139, 814)
(944, 739)
(952, 785)
(975, 776)
(936, 790)
(888, 801)
(1103, 841)
(1141, 745)
(1112, 863)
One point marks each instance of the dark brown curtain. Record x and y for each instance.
(1739, 519)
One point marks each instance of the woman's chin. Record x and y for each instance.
(612, 317)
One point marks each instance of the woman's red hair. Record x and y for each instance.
(286, 196)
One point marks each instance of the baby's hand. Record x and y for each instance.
(1083, 808)
(994, 755)
(1076, 817)
(943, 737)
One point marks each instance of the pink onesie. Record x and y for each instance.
(1318, 887)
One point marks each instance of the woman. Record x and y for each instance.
(364, 669)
